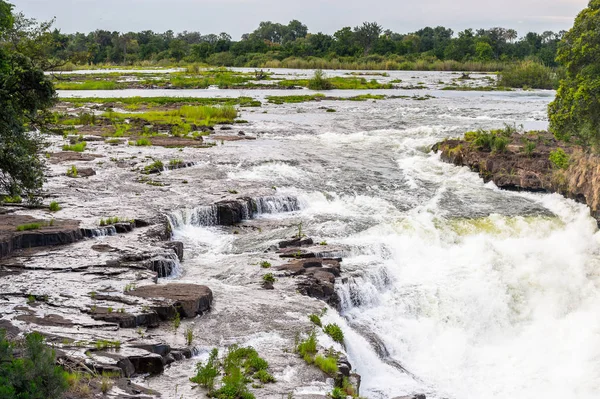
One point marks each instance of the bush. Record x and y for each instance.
(264, 377)
(308, 347)
(335, 332)
(54, 206)
(529, 148)
(574, 112)
(269, 278)
(320, 81)
(559, 159)
(143, 142)
(528, 74)
(265, 264)
(316, 320)
(32, 376)
(327, 364)
(207, 373)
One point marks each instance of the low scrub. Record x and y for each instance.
(559, 159)
(238, 367)
(528, 74)
(79, 147)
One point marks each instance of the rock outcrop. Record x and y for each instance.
(189, 300)
(59, 232)
(518, 169)
(317, 277)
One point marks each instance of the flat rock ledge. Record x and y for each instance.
(189, 300)
(61, 232)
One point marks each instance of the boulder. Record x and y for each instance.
(296, 242)
(188, 300)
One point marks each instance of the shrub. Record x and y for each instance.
(327, 364)
(72, 171)
(559, 159)
(207, 373)
(528, 74)
(320, 81)
(337, 393)
(308, 347)
(315, 319)
(499, 144)
(264, 377)
(33, 375)
(269, 278)
(335, 332)
(265, 264)
(176, 321)
(79, 147)
(54, 206)
(529, 148)
(143, 142)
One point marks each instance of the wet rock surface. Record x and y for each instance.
(61, 232)
(189, 300)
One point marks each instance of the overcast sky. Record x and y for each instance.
(241, 16)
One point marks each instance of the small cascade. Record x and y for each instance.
(199, 216)
(166, 265)
(231, 212)
(274, 204)
(99, 232)
(363, 290)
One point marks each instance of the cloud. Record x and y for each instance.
(240, 16)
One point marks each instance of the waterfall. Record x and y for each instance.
(208, 215)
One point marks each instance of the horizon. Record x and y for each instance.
(86, 16)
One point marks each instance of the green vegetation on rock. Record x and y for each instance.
(575, 112)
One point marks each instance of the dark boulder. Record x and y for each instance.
(188, 300)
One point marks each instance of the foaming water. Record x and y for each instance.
(450, 287)
(499, 307)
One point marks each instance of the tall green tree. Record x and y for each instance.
(24, 95)
(575, 112)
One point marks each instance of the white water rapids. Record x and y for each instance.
(454, 288)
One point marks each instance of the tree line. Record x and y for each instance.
(275, 41)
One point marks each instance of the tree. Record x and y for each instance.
(24, 95)
(575, 112)
(367, 34)
(32, 376)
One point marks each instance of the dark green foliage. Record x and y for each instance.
(269, 278)
(335, 332)
(32, 376)
(575, 112)
(559, 159)
(494, 140)
(24, 95)
(528, 74)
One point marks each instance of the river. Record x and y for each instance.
(452, 287)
